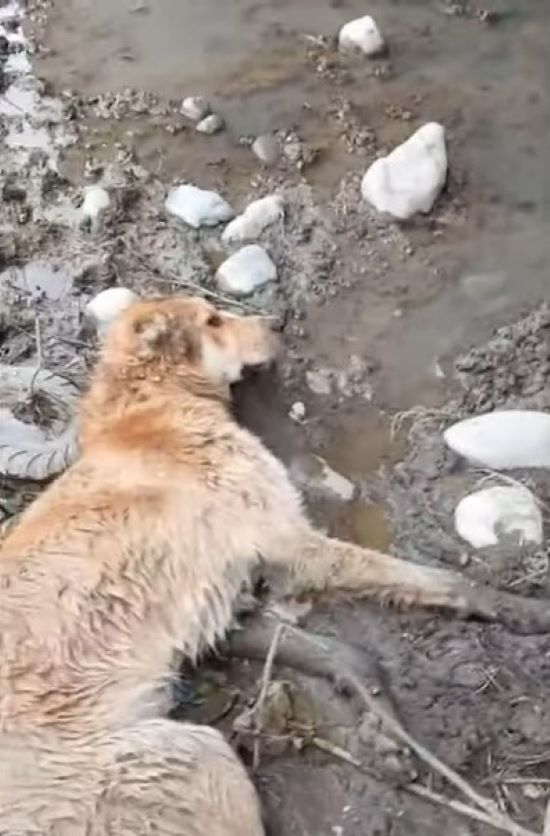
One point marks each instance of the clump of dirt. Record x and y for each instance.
(512, 369)
(38, 409)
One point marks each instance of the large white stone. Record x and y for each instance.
(409, 179)
(361, 35)
(104, 308)
(257, 216)
(198, 207)
(484, 517)
(246, 271)
(503, 440)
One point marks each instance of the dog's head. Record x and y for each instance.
(176, 332)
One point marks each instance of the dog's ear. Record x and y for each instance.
(165, 334)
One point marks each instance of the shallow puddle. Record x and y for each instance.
(38, 280)
(369, 526)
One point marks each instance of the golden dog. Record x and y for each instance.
(139, 550)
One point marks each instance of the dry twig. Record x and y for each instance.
(499, 820)
(334, 750)
(266, 679)
(39, 354)
(171, 278)
(458, 806)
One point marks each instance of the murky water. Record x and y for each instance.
(37, 280)
(486, 83)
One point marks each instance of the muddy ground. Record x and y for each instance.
(379, 320)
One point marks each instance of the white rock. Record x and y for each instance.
(319, 381)
(195, 108)
(315, 474)
(257, 216)
(211, 124)
(335, 483)
(267, 149)
(484, 517)
(410, 178)
(96, 202)
(246, 271)
(361, 35)
(297, 412)
(104, 308)
(198, 207)
(503, 440)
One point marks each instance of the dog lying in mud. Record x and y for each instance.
(141, 549)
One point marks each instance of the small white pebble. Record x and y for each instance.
(267, 149)
(96, 202)
(246, 271)
(198, 207)
(257, 216)
(314, 474)
(297, 412)
(195, 108)
(212, 124)
(533, 791)
(319, 381)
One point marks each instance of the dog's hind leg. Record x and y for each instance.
(175, 779)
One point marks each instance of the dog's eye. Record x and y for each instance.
(214, 321)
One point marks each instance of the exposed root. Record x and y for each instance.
(419, 418)
(327, 657)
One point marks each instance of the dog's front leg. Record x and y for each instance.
(319, 564)
(322, 563)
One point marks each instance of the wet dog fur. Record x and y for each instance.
(140, 550)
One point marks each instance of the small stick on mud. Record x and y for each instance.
(546, 829)
(464, 809)
(172, 278)
(266, 679)
(334, 750)
(498, 819)
(39, 354)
